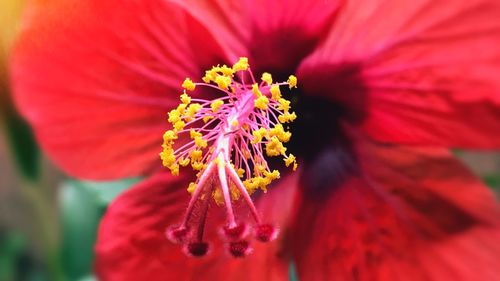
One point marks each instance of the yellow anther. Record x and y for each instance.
(179, 125)
(275, 174)
(167, 156)
(174, 116)
(259, 169)
(289, 160)
(275, 92)
(174, 169)
(258, 135)
(185, 99)
(261, 102)
(193, 134)
(184, 162)
(284, 104)
(256, 91)
(240, 172)
(210, 75)
(196, 165)
(223, 82)
(274, 147)
(188, 84)
(292, 81)
(266, 77)
(181, 108)
(287, 117)
(251, 185)
(262, 182)
(192, 110)
(169, 136)
(195, 155)
(207, 118)
(216, 104)
(280, 132)
(191, 187)
(242, 64)
(200, 142)
(226, 71)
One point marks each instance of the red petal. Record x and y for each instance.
(276, 35)
(132, 246)
(425, 73)
(413, 215)
(96, 79)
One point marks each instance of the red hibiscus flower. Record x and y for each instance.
(386, 88)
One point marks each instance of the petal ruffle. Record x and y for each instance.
(412, 215)
(132, 246)
(96, 79)
(425, 73)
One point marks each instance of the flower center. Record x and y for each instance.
(228, 138)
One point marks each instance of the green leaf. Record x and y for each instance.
(12, 245)
(292, 272)
(80, 217)
(82, 206)
(493, 181)
(22, 143)
(16, 260)
(109, 190)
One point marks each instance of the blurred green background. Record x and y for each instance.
(48, 222)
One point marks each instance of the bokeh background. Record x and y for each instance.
(48, 221)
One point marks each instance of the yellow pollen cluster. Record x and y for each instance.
(167, 155)
(185, 112)
(280, 133)
(216, 104)
(261, 102)
(287, 117)
(266, 77)
(275, 138)
(241, 65)
(258, 135)
(223, 82)
(292, 81)
(290, 159)
(261, 181)
(275, 147)
(191, 111)
(275, 92)
(185, 99)
(188, 85)
(256, 91)
(220, 75)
